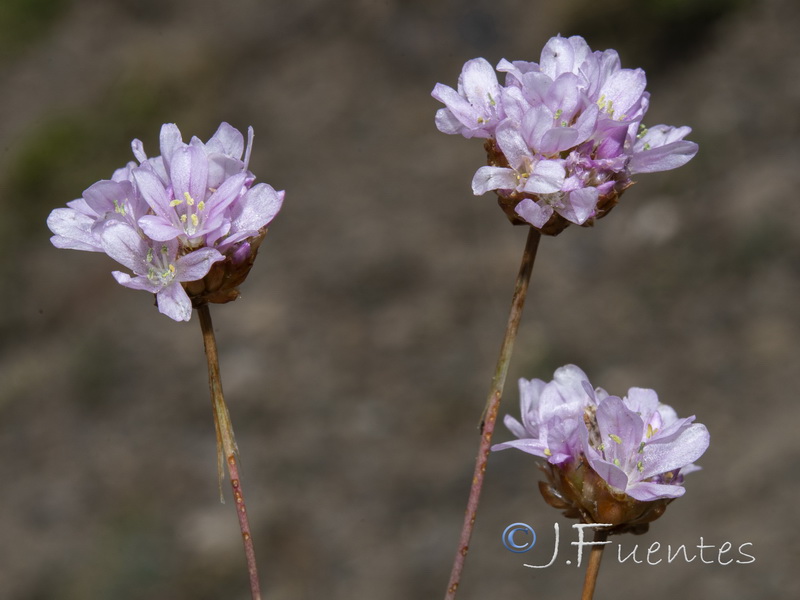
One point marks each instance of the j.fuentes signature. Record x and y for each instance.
(521, 537)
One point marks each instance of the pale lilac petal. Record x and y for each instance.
(565, 95)
(152, 190)
(558, 139)
(535, 447)
(196, 264)
(547, 177)
(476, 103)
(257, 208)
(647, 491)
(473, 121)
(189, 173)
(535, 213)
(571, 381)
(125, 245)
(226, 140)
(612, 474)
(229, 192)
(135, 283)
(493, 178)
(170, 139)
(479, 83)
(73, 230)
(664, 455)
(665, 158)
(515, 427)
(515, 105)
(447, 122)
(138, 150)
(513, 146)
(622, 91)
(620, 429)
(558, 56)
(174, 302)
(586, 123)
(643, 401)
(583, 203)
(159, 228)
(110, 196)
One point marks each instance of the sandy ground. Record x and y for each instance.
(357, 361)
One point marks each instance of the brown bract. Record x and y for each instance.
(221, 283)
(584, 495)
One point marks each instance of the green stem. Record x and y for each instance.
(227, 451)
(489, 417)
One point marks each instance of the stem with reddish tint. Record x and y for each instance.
(593, 568)
(489, 417)
(227, 450)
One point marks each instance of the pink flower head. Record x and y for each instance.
(563, 135)
(608, 459)
(188, 222)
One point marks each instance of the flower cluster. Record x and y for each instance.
(187, 223)
(608, 459)
(563, 136)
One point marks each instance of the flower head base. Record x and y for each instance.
(608, 459)
(563, 136)
(188, 223)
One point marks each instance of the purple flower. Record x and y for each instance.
(563, 135)
(188, 223)
(605, 455)
(473, 110)
(640, 448)
(552, 416)
(157, 267)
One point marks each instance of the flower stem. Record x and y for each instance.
(489, 416)
(593, 568)
(227, 451)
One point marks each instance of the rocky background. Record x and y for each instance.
(357, 361)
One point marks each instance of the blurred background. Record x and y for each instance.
(357, 361)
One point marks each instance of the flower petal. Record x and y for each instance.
(124, 244)
(174, 302)
(547, 177)
(158, 228)
(257, 208)
(493, 178)
(647, 491)
(664, 158)
(195, 265)
(667, 454)
(535, 213)
(189, 173)
(73, 230)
